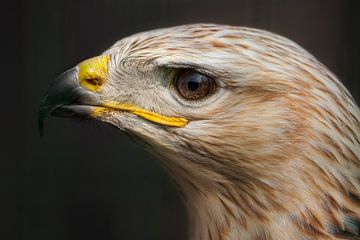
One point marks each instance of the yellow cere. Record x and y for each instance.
(93, 72)
(151, 116)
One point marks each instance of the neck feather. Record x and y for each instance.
(305, 202)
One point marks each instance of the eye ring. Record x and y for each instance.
(193, 85)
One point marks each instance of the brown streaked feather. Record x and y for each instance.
(277, 156)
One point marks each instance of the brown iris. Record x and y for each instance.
(193, 85)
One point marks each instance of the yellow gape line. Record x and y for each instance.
(93, 72)
(151, 116)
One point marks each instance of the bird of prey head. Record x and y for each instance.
(262, 140)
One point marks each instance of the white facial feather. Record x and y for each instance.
(273, 154)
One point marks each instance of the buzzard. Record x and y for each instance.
(261, 139)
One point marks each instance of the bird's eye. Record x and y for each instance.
(193, 85)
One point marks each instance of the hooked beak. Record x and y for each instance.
(66, 98)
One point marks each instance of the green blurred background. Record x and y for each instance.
(83, 180)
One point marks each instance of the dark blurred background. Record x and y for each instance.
(85, 181)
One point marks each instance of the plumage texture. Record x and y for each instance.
(274, 154)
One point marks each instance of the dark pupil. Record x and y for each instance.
(194, 83)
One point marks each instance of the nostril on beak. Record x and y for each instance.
(94, 81)
(93, 72)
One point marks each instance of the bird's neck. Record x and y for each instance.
(252, 211)
(231, 215)
(309, 200)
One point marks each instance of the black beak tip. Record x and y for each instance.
(65, 98)
(59, 93)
